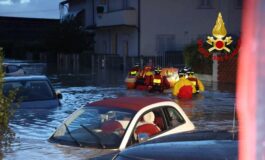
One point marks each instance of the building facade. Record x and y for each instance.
(151, 27)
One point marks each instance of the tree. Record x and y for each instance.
(69, 37)
(6, 110)
(196, 60)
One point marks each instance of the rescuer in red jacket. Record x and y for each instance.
(159, 82)
(135, 70)
(131, 78)
(144, 78)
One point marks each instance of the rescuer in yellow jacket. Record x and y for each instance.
(195, 81)
(183, 88)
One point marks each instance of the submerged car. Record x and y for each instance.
(35, 92)
(206, 145)
(110, 125)
(12, 69)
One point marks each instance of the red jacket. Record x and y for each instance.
(185, 92)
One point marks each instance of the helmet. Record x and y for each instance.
(158, 70)
(186, 69)
(136, 65)
(189, 71)
(181, 72)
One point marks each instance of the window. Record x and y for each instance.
(174, 118)
(12, 68)
(116, 5)
(29, 90)
(94, 127)
(155, 122)
(165, 43)
(151, 123)
(101, 8)
(204, 4)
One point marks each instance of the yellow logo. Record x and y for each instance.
(218, 42)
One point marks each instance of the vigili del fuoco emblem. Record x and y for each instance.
(219, 42)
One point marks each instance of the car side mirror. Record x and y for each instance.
(59, 95)
(142, 137)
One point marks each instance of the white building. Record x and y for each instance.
(151, 27)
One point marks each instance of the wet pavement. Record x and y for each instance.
(212, 110)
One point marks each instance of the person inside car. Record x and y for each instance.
(148, 126)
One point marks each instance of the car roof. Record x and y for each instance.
(188, 150)
(25, 78)
(203, 144)
(132, 103)
(10, 63)
(198, 135)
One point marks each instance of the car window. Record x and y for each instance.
(11, 68)
(151, 123)
(155, 122)
(173, 117)
(94, 126)
(29, 90)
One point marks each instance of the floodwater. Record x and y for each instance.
(212, 110)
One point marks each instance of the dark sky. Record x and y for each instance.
(30, 8)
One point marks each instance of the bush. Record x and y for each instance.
(6, 111)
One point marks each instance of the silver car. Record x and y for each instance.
(32, 91)
(12, 69)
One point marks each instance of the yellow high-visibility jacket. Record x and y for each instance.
(201, 86)
(149, 73)
(180, 83)
(197, 83)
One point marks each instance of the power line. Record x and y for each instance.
(32, 11)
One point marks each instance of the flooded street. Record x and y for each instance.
(212, 110)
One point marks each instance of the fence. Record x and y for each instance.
(77, 63)
(124, 63)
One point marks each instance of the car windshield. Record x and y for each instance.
(101, 127)
(11, 68)
(29, 90)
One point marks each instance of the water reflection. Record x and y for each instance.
(212, 109)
